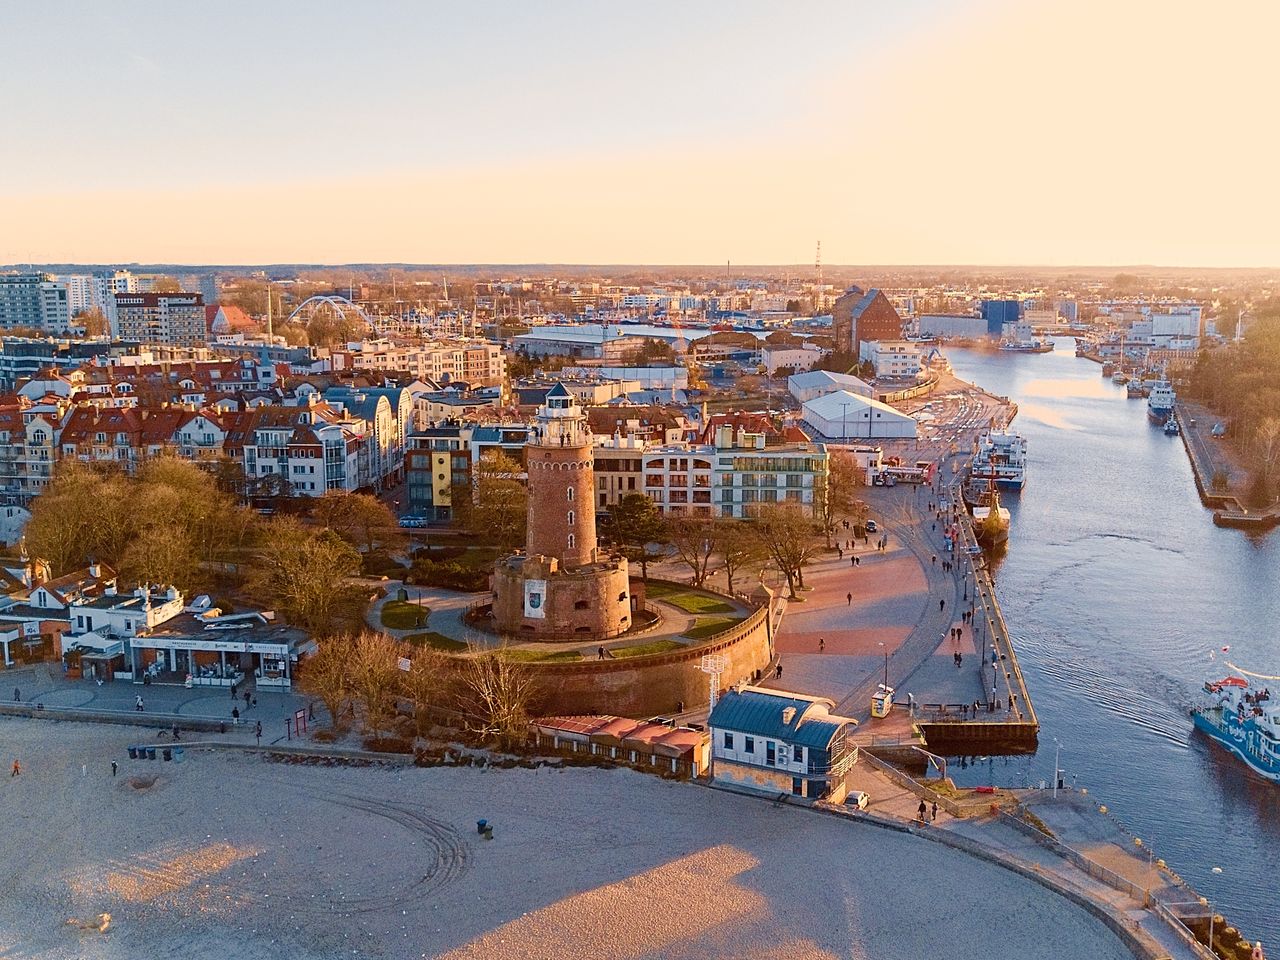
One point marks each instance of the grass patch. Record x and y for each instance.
(404, 615)
(437, 641)
(644, 649)
(710, 626)
(688, 600)
(527, 655)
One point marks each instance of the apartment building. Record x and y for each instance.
(476, 362)
(174, 319)
(34, 300)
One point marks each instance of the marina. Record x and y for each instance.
(1112, 642)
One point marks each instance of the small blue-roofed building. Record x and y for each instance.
(778, 742)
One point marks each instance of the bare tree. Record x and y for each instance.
(1266, 439)
(835, 497)
(374, 671)
(496, 504)
(494, 694)
(424, 683)
(325, 675)
(739, 547)
(694, 541)
(301, 571)
(790, 537)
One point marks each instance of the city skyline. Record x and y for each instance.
(987, 133)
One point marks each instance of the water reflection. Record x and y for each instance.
(1120, 586)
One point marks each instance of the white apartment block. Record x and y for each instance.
(476, 362)
(892, 359)
(34, 300)
(176, 319)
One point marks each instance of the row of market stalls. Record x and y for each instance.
(683, 751)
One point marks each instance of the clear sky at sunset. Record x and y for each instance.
(989, 131)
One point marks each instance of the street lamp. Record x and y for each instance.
(886, 665)
(1057, 754)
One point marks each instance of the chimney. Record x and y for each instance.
(95, 570)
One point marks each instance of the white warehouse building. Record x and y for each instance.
(847, 416)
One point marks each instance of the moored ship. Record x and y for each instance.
(990, 520)
(1241, 716)
(1161, 400)
(1001, 458)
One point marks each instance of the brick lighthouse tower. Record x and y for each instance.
(560, 587)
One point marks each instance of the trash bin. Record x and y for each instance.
(168, 753)
(480, 825)
(133, 753)
(177, 754)
(151, 753)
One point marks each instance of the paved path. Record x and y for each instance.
(163, 704)
(446, 617)
(903, 604)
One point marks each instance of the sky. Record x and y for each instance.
(1059, 132)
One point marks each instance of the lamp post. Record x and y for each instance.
(886, 665)
(1057, 754)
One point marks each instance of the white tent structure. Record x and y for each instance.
(810, 386)
(847, 416)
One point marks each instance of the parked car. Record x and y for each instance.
(857, 799)
(412, 521)
(872, 527)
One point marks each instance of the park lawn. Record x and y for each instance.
(644, 649)
(710, 626)
(687, 599)
(437, 641)
(403, 615)
(526, 655)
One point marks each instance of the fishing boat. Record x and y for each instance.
(1171, 428)
(1161, 401)
(990, 520)
(1133, 390)
(1120, 377)
(1240, 715)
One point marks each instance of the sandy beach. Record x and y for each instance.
(234, 857)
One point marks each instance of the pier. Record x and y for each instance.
(1207, 463)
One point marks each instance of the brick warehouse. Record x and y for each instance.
(859, 317)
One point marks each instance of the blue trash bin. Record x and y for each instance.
(480, 825)
(133, 753)
(177, 754)
(151, 753)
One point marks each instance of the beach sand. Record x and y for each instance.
(234, 857)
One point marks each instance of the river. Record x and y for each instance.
(1117, 588)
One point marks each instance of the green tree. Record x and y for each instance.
(634, 523)
(301, 571)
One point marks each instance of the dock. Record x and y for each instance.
(1228, 511)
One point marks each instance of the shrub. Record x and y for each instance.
(438, 553)
(448, 575)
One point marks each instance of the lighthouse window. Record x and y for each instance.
(572, 540)
(569, 494)
(571, 518)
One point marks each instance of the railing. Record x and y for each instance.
(1113, 880)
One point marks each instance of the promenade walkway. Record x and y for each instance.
(897, 604)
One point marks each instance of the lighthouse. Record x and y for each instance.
(560, 587)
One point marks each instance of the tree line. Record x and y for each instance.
(1241, 382)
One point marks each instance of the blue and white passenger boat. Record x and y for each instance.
(1243, 716)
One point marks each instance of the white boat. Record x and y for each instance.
(1160, 402)
(1001, 458)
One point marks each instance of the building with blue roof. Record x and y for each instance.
(779, 742)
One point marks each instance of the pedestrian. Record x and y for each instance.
(853, 561)
(114, 766)
(257, 732)
(839, 552)
(960, 659)
(137, 704)
(848, 599)
(235, 715)
(175, 730)
(857, 561)
(255, 700)
(921, 811)
(942, 604)
(935, 811)
(822, 644)
(17, 695)
(246, 699)
(17, 768)
(600, 653)
(233, 691)
(778, 673)
(933, 560)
